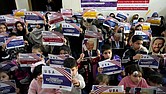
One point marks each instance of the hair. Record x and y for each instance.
(105, 47)
(139, 20)
(39, 47)
(18, 22)
(74, 16)
(156, 78)
(155, 14)
(70, 63)
(102, 78)
(136, 38)
(65, 48)
(37, 71)
(159, 38)
(139, 25)
(112, 14)
(133, 67)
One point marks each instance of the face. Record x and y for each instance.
(117, 38)
(157, 45)
(138, 28)
(137, 45)
(19, 27)
(2, 28)
(39, 78)
(4, 76)
(136, 77)
(37, 52)
(63, 52)
(107, 54)
(74, 71)
(90, 45)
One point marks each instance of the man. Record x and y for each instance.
(117, 43)
(157, 45)
(91, 51)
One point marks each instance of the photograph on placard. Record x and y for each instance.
(157, 45)
(90, 46)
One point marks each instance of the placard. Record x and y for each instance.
(150, 61)
(92, 34)
(145, 35)
(71, 29)
(101, 89)
(110, 22)
(57, 60)
(110, 66)
(3, 36)
(34, 17)
(14, 42)
(8, 87)
(27, 59)
(54, 17)
(156, 21)
(54, 77)
(67, 12)
(52, 38)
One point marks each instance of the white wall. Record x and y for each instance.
(154, 5)
(22, 4)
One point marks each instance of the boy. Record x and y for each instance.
(133, 54)
(77, 79)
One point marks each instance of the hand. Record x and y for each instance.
(137, 56)
(39, 79)
(100, 70)
(75, 82)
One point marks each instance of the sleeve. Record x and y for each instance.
(33, 87)
(122, 82)
(81, 81)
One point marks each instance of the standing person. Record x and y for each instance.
(77, 80)
(134, 78)
(157, 45)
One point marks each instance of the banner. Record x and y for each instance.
(110, 66)
(101, 89)
(14, 42)
(54, 77)
(121, 5)
(99, 4)
(52, 38)
(7, 87)
(150, 61)
(27, 59)
(57, 60)
(71, 29)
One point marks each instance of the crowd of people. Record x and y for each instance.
(127, 48)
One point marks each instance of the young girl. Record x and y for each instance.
(6, 74)
(102, 79)
(35, 86)
(134, 78)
